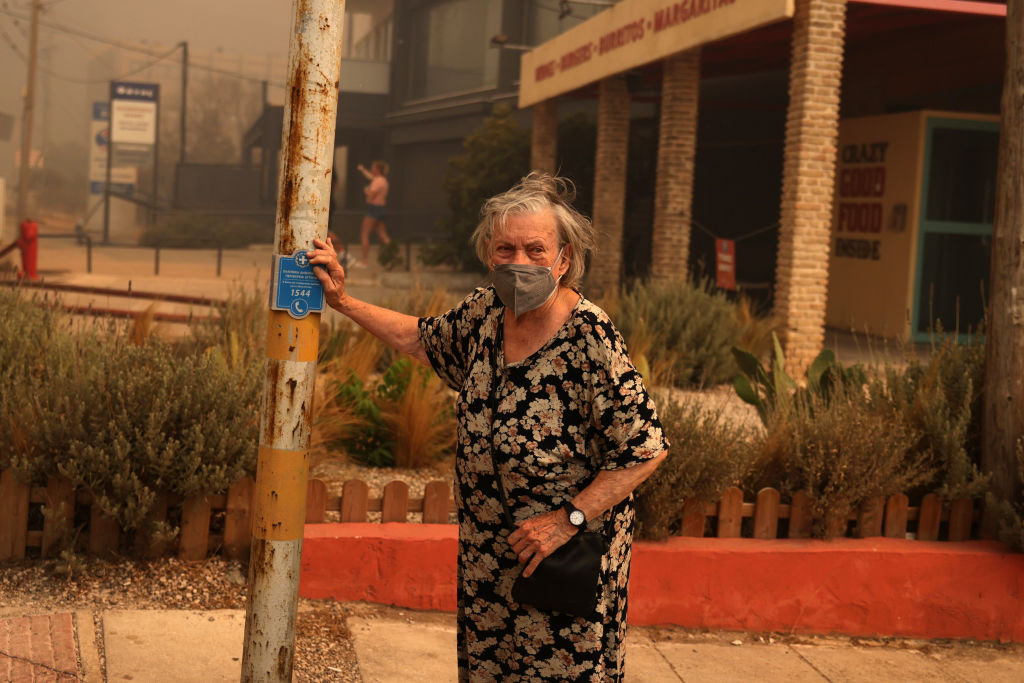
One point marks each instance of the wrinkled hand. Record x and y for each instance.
(539, 536)
(331, 275)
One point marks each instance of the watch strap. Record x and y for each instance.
(570, 509)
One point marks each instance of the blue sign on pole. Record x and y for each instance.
(294, 287)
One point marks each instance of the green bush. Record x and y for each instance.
(203, 231)
(707, 454)
(383, 417)
(124, 420)
(770, 389)
(841, 453)
(238, 328)
(368, 440)
(389, 256)
(26, 323)
(941, 400)
(686, 327)
(918, 425)
(497, 155)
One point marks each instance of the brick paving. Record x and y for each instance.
(39, 649)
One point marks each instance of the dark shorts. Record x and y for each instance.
(375, 212)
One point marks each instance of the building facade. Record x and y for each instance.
(762, 103)
(712, 120)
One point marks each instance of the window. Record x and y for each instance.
(452, 51)
(963, 175)
(368, 36)
(955, 239)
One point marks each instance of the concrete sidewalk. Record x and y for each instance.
(409, 646)
(169, 646)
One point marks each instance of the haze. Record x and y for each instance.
(254, 28)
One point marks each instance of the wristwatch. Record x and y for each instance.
(576, 516)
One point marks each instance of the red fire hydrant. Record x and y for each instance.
(28, 242)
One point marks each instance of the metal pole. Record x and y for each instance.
(88, 254)
(182, 117)
(314, 61)
(110, 161)
(184, 99)
(26, 116)
(156, 164)
(220, 256)
(156, 259)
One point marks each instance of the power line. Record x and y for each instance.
(121, 77)
(17, 51)
(132, 48)
(88, 81)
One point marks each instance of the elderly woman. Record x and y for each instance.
(572, 434)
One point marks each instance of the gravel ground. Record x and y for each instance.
(335, 469)
(323, 643)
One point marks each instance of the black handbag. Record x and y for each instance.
(567, 579)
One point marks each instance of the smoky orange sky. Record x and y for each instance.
(255, 28)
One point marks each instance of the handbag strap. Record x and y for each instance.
(493, 401)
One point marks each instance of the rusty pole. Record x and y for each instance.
(314, 57)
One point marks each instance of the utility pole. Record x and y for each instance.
(182, 118)
(27, 114)
(1004, 329)
(279, 504)
(184, 98)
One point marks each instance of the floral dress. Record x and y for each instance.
(573, 408)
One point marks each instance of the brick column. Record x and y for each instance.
(812, 128)
(677, 150)
(605, 272)
(544, 140)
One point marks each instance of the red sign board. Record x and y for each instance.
(725, 264)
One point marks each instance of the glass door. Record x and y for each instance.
(955, 233)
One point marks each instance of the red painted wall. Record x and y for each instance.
(854, 586)
(408, 565)
(877, 586)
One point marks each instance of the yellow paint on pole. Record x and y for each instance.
(291, 339)
(279, 510)
(280, 505)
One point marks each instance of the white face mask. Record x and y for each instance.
(524, 287)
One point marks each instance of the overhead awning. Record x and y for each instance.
(634, 33)
(992, 9)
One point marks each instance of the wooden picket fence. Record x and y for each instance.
(891, 517)
(207, 524)
(221, 523)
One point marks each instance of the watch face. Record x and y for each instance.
(576, 518)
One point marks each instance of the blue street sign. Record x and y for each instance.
(124, 90)
(294, 287)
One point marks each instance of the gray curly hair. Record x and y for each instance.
(535, 193)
